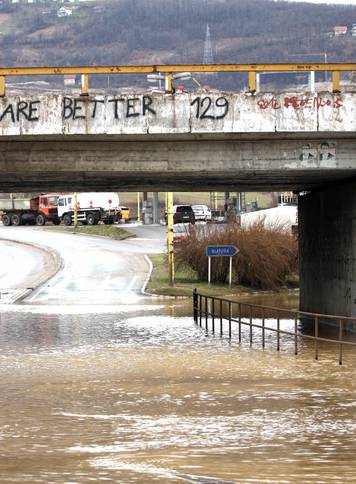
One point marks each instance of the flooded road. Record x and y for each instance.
(101, 383)
(146, 396)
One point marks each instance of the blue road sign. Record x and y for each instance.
(221, 250)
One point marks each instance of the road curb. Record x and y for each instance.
(156, 296)
(55, 262)
(148, 277)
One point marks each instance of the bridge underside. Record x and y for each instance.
(176, 163)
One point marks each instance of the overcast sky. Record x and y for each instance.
(335, 2)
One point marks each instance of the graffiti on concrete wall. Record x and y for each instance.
(17, 111)
(77, 108)
(197, 109)
(207, 108)
(299, 103)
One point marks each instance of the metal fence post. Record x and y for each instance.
(316, 333)
(239, 322)
(296, 336)
(200, 308)
(213, 314)
(206, 313)
(230, 316)
(340, 339)
(195, 309)
(250, 325)
(278, 335)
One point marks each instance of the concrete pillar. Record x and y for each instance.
(155, 208)
(226, 200)
(327, 250)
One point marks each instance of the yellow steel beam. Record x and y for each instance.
(252, 82)
(85, 85)
(169, 82)
(2, 86)
(25, 71)
(336, 81)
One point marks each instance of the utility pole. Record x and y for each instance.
(75, 209)
(170, 241)
(138, 207)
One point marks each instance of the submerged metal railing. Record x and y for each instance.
(211, 312)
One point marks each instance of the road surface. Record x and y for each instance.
(95, 270)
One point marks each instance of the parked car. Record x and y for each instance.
(181, 232)
(202, 212)
(182, 214)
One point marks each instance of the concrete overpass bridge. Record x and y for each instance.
(205, 140)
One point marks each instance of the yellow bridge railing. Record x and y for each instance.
(169, 70)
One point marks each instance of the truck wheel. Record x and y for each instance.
(91, 218)
(16, 220)
(6, 220)
(67, 219)
(40, 219)
(56, 221)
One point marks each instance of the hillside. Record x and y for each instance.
(164, 31)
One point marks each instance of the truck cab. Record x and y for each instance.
(47, 208)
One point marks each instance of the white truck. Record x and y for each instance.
(92, 207)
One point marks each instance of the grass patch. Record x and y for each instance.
(267, 254)
(185, 281)
(109, 231)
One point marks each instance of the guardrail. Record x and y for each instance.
(169, 70)
(215, 310)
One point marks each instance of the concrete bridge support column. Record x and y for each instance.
(155, 208)
(327, 250)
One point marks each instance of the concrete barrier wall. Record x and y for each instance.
(199, 112)
(283, 215)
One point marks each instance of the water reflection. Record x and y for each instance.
(150, 397)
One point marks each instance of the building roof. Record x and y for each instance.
(340, 28)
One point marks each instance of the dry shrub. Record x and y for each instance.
(267, 254)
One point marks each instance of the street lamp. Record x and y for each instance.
(169, 79)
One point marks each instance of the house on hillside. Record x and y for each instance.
(340, 30)
(64, 12)
(353, 30)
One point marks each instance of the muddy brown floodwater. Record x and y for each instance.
(147, 396)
